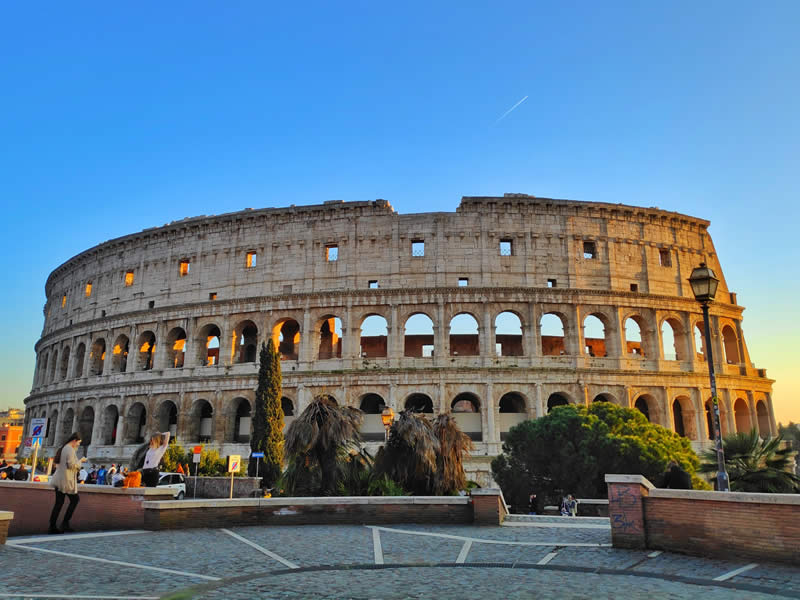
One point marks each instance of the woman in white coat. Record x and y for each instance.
(65, 482)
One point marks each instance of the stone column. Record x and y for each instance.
(531, 336)
(160, 353)
(487, 338)
(392, 399)
(444, 405)
(491, 419)
(190, 348)
(394, 345)
(441, 341)
(773, 429)
(537, 410)
(109, 360)
(619, 337)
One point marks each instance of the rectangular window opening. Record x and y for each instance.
(252, 259)
(63, 301)
(287, 289)
(463, 281)
(664, 257)
(212, 295)
(88, 289)
(634, 287)
(589, 250)
(373, 284)
(417, 247)
(151, 304)
(129, 279)
(551, 283)
(332, 253)
(506, 247)
(427, 350)
(184, 267)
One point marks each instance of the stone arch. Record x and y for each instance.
(762, 414)
(86, 427)
(209, 340)
(374, 337)
(464, 335)
(244, 342)
(329, 329)
(145, 352)
(66, 424)
(605, 397)
(648, 406)
(119, 358)
(167, 418)
(595, 335)
(372, 404)
(201, 421)
(418, 336)
(43, 368)
(699, 341)
(512, 411)
(80, 356)
(508, 335)
(53, 367)
(673, 339)
(418, 402)
(64, 363)
(635, 327)
(466, 410)
(241, 412)
(741, 413)
(288, 406)
(466, 402)
(176, 348)
(557, 399)
(135, 423)
(286, 338)
(50, 435)
(372, 429)
(97, 357)
(553, 333)
(683, 417)
(730, 344)
(110, 420)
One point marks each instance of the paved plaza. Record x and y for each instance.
(542, 557)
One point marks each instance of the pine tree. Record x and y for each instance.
(268, 420)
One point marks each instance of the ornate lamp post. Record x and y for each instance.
(704, 287)
(387, 416)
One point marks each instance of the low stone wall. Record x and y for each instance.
(100, 507)
(755, 526)
(5, 521)
(220, 487)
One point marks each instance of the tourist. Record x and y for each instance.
(158, 445)
(83, 475)
(112, 470)
(532, 504)
(65, 483)
(569, 506)
(101, 475)
(676, 478)
(21, 474)
(117, 479)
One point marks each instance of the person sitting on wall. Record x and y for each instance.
(676, 478)
(21, 474)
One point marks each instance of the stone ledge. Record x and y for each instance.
(306, 501)
(746, 497)
(6, 515)
(640, 479)
(90, 489)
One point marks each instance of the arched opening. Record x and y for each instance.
(53, 367)
(604, 397)
(512, 412)
(202, 421)
(709, 419)
(167, 418)
(699, 342)
(677, 418)
(741, 413)
(464, 336)
(372, 429)
(208, 343)
(176, 348)
(135, 423)
(374, 337)
(633, 337)
(50, 436)
(110, 420)
(556, 400)
(330, 338)
(241, 421)
(730, 345)
(644, 404)
(420, 403)
(286, 337)
(80, 355)
(288, 412)
(43, 369)
(466, 409)
(244, 342)
(146, 353)
(508, 334)
(97, 357)
(66, 425)
(673, 340)
(762, 414)
(552, 330)
(594, 336)
(64, 363)
(86, 427)
(119, 359)
(418, 337)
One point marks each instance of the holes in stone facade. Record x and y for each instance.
(330, 338)
(119, 360)
(240, 428)
(286, 338)
(551, 283)
(128, 279)
(80, 355)
(251, 260)
(146, 345)
(374, 337)
(508, 334)
(420, 403)
(730, 345)
(331, 252)
(664, 257)
(176, 348)
(633, 336)
(208, 343)
(552, 333)
(589, 250)
(556, 400)
(506, 247)
(184, 267)
(463, 281)
(97, 357)
(373, 284)
(88, 289)
(418, 248)
(464, 336)
(245, 342)
(418, 338)
(594, 336)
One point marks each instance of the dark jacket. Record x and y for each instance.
(677, 479)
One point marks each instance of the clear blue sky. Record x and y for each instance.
(114, 118)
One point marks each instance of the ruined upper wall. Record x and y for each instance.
(547, 240)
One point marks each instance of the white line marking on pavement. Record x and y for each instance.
(69, 536)
(562, 525)
(272, 555)
(116, 562)
(735, 572)
(462, 556)
(483, 541)
(654, 554)
(377, 549)
(29, 595)
(547, 558)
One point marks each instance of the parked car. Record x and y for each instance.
(175, 482)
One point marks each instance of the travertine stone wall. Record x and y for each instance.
(244, 275)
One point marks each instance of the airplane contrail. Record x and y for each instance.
(505, 114)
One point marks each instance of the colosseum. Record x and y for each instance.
(497, 312)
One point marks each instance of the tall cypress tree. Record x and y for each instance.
(268, 420)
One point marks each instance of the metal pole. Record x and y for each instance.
(231, 496)
(722, 474)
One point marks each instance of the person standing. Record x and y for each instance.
(676, 478)
(65, 482)
(101, 475)
(158, 446)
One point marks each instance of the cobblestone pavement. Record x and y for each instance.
(542, 560)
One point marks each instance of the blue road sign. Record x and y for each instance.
(257, 455)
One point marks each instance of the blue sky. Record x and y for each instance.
(115, 118)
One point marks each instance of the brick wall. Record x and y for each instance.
(5, 521)
(100, 507)
(220, 487)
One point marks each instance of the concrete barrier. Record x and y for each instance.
(220, 487)
(5, 520)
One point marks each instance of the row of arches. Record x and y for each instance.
(464, 338)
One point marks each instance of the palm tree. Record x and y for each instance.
(409, 457)
(755, 465)
(320, 438)
(455, 445)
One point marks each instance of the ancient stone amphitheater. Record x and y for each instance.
(497, 312)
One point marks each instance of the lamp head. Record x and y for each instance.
(704, 283)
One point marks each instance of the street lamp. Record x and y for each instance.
(387, 416)
(704, 287)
